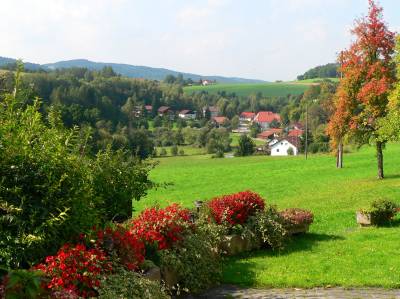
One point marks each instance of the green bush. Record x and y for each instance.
(128, 284)
(197, 261)
(382, 211)
(268, 225)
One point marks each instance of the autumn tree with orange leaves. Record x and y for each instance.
(368, 74)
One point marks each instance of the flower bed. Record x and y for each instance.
(162, 227)
(128, 247)
(235, 208)
(297, 220)
(76, 269)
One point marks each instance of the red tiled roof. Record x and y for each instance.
(269, 133)
(267, 117)
(163, 109)
(219, 119)
(186, 111)
(295, 132)
(247, 114)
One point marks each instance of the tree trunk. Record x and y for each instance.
(339, 157)
(379, 156)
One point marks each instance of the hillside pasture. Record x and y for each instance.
(335, 251)
(266, 89)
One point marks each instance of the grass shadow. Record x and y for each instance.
(239, 271)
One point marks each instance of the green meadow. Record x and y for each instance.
(335, 251)
(245, 89)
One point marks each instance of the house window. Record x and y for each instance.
(277, 150)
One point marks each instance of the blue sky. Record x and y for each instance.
(264, 39)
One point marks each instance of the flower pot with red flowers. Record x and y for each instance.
(297, 221)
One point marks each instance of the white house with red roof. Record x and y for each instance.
(296, 133)
(265, 118)
(283, 147)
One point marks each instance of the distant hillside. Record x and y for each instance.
(127, 70)
(266, 89)
(146, 72)
(29, 66)
(323, 71)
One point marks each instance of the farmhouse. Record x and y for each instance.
(270, 134)
(219, 120)
(187, 114)
(283, 148)
(247, 116)
(165, 111)
(265, 118)
(295, 132)
(214, 111)
(148, 108)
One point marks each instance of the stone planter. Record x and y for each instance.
(298, 229)
(364, 219)
(153, 274)
(170, 277)
(235, 244)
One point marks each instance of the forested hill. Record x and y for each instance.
(322, 71)
(127, 70)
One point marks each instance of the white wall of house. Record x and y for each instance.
(263, 125)
(187, 116)
(281, 148)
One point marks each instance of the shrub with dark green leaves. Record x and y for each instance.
(127, 284)
(197, 259)
(269, 227)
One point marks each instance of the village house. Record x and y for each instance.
(270, 134)
(187, 114)
(247, 116)
(265, 118)
(283, 148)
(219, 121)
(296, 133)
(165, 111)
(214, 111)
(148, 108)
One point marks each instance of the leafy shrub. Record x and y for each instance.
(163, 152)
(197, 260)
(246, 146)
(381, 211)
(290, 151)
(45, 190)
(117, 179)
(127, 247)
(181, 152)
(76, 269)
(174, 150)
(21, 284)
(269, 226)
(235, 208)
(162, 227)
(295, 217)
(128, 284)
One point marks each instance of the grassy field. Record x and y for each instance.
(336, 251)
(267, 89)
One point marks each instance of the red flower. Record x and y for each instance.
(162, 227)
(235, 208)
(75, 269)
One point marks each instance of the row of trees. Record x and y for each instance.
(368, 81)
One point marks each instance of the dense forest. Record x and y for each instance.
(111, 108)
(323, 71)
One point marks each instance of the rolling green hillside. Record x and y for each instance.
(267, 89)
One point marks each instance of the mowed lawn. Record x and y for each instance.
(245, 89)
(336, 251)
